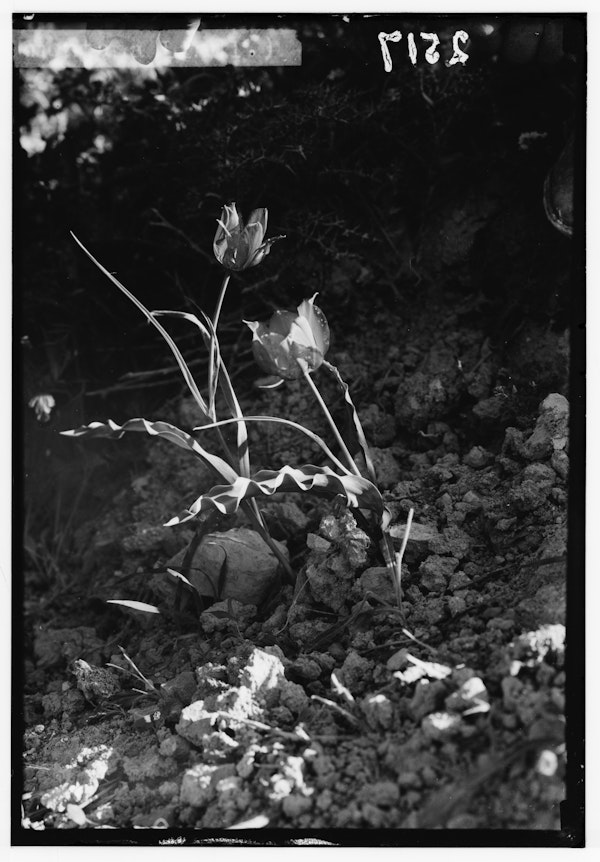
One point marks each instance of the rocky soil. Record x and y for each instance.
(321, 704)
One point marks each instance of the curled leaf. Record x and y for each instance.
(355, 490)
(169, 432)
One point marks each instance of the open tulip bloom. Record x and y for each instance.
(289, 337)
(239, 247)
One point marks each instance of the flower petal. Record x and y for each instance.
(254, 234)
(281, 322)
(301, 333)
(270, 382)
(317, 321)
(259, 216)
(231, 218)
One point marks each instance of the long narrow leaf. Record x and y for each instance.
(357, 491)
(222, 376)
(135, 606)
(212, 343)
(355, 419)
(169, 432)
(187, 374)
(278, 420)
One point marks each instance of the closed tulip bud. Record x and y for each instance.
(239, 247)
(288, 337)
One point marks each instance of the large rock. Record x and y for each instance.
(247, 566)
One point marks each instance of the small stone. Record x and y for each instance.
(372, 815)
(477, 458)
(195, 722)
(440, 725)
(381, 793)
(551, 432)
(548, 726)
(419, 539)
(429, 612)
(317, 543)
(95, 683)
(472, 500)
(218, 746)
(356, 672)
(427, 697)
(377, 580)
(198, 786)
(456, 605)
(181, 686)
(378, 711)
(459, 581)
(491, 409)
(435, 571)
(472, 695)
(293, 697)
(560, 464)
(306, 668)
(397, 661)
(453, 542)
(547, 763)
(263, 670)
(295, 805)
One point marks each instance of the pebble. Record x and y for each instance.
(456, 605)
(381, 793)
(560, 463)
(551, 432)
(377, 580)
(306, 668)
(472, 696)
(477, 458)
(434, 572)
(440, 725)
(547, 763)
(373, 815)
(428, 695)
(378, 711)
(295, 805)
(397, 661)
(459, 581)
(317, 543)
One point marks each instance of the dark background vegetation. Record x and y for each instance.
(358, 168)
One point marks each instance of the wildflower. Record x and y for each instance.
(43, 406)
(290, 336)
(237, 247)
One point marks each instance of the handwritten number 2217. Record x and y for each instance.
(431, 54)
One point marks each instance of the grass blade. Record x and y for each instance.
(187, 374)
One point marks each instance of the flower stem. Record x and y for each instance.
(213, 373)
(351, 463)
(220, 301)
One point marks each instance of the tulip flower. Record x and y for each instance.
(239, 247)
(288, 337)
(43, 406)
